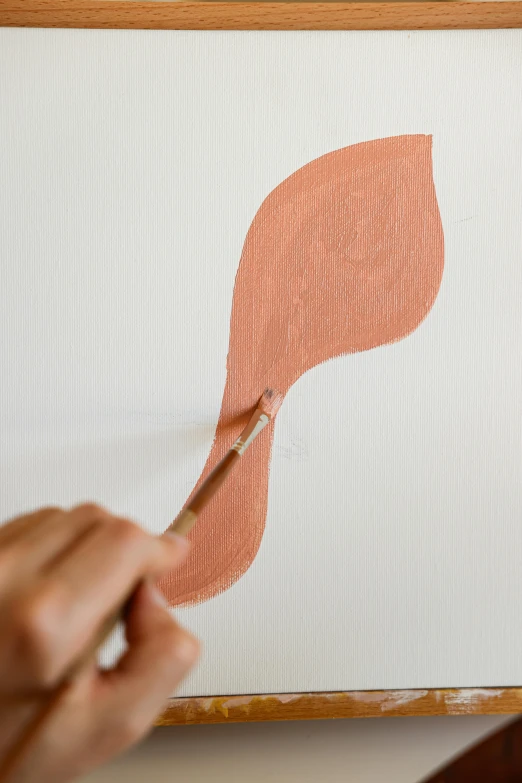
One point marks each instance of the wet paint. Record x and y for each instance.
(345, 255)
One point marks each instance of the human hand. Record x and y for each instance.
(62, 574)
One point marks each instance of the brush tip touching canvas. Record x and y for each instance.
(270, 402)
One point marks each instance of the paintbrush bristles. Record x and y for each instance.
(270, 402)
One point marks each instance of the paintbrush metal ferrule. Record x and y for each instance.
(250, 432)
(266, 409)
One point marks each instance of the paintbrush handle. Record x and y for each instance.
(187, 517)
(184, 522)
(215, 479)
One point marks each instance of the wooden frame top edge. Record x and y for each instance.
(142, 14)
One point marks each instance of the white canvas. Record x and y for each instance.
(131, 166)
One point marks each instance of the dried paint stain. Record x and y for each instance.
(388, 700)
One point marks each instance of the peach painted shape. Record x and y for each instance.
(345, 255)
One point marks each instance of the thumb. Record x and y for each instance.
(160, 654)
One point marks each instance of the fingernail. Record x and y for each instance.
(157, 596)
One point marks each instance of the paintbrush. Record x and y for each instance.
(265, 411)
(267, 408)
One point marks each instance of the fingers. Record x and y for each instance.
(67, 573)
(31, 543)
(60, 531)
(53, 619)
(160, 654)
(105, 567)
(14, 528)
(12, 535)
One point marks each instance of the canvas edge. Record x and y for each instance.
(343, 704)
(135, 14)
(238, 15)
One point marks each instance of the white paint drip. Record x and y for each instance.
(388, 700)
(467, 697)
(242, 701)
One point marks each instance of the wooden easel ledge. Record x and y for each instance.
(343, 704)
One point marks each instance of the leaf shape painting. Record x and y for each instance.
(344, 255)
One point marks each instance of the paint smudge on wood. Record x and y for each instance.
(388, 700)
(466, 698)
(341, 704)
